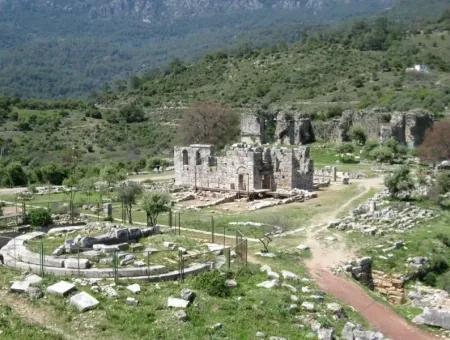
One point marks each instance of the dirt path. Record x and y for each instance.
(379, 316)
(326, 255)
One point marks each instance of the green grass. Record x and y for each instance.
(247, 310)
(420, 241)
(12, 327)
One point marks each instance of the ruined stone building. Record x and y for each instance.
(243, 168)
(292, 128)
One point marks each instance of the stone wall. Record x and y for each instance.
(243, 168)
(251, 128)
(294, 129)
(405, 127)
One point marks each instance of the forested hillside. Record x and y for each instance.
(82, 45)
(358, 66)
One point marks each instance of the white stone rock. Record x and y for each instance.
(287, 275)
(131, 301)
(19, 286)
(33, 279)
(269, 284)
(61, 288)
(134, 288)
(290, 287)
(177, 303)
(83, 301)
(231, 283)
(303, 247)
(309, 306)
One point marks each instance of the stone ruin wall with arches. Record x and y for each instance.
(244, 168)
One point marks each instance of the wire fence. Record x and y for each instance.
(122, 261)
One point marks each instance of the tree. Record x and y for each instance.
(71, 183)
(155, 203)
(131, 113)
(40, 217)
(400, 181)
(436, 144)
(209, 123)
(54, 173)
(128, 194)
(16, 175)
(111, 175)
(87, 185)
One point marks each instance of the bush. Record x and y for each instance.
(213, 283)
(358, 135)
(346, 148)
(445, 279)
(399, 181)
(39, 217)
(430, 279)
(445, 239)
(439, 265)
(382, 154)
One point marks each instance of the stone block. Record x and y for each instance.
(74, 263)
(33, 279)
(134, 288)
(19, 286)
(62, 288)
(177, 303)
(83, 301)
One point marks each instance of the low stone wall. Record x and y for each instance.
(16, 255)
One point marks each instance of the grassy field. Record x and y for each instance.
(244, 312)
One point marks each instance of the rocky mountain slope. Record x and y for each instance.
(151, 11)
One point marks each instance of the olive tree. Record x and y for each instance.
(154, 204)
(128, 194)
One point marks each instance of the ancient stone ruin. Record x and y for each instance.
(405, 127)
(293, 128)
(244, 168)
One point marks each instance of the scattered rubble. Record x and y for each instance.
(379, 217)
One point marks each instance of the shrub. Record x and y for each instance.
(439, 265)
(39, 217)
(430, 279)
(358, 135)
(445, 239)
(399, 181)
(213, 283)
(445, 279)
(382, 154)
(346, 148)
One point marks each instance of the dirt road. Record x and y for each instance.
(327, 255)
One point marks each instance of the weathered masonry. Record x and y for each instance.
(244, 168)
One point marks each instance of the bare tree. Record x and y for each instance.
(209, 123)
(436, 144)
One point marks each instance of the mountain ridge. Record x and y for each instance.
(153, 11)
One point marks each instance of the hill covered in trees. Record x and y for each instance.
(84, 44)
(357, 66)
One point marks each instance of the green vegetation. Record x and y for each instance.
(39, 217)
(14, 327)
(399, 182)
(429, 239)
